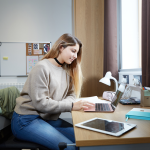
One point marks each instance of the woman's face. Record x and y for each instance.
(69, 54)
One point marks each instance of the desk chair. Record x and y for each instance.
(7, 139)
(11, 143)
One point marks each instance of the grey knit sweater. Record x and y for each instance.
(46, 92)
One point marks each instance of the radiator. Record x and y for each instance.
(19, 86)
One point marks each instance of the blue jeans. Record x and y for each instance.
(47, 133)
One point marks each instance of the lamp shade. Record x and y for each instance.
(106, 80)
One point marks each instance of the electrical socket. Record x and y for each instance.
(127, 78)
(138, 77)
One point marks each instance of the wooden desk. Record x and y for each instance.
(84, 138)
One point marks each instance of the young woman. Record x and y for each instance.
(51, 88)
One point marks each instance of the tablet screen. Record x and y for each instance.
(105, 125)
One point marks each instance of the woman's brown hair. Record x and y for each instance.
(74, 68)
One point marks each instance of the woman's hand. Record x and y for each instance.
(82, 104)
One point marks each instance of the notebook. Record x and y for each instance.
(138, 113)
(106, 107)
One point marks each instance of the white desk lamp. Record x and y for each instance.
(106, 79)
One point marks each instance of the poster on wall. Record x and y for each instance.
(31, 61)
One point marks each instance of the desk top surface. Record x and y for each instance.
(140, 134)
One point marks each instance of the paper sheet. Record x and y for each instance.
(37, 51)
(93, 99)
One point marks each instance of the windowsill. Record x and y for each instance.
(131, 70)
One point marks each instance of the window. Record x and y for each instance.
(129, 15)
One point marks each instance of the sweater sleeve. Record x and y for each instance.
(39, 93)
(71, 97)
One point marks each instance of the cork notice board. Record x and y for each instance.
(34, 53)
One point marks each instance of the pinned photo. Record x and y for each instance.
(35, 46)
(46, 48)
(29, 48)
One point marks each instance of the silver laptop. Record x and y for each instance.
(106, 107)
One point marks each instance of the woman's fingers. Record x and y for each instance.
(88, 104)
(82, 104)
(84, 107)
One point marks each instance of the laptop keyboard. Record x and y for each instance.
(102, 107)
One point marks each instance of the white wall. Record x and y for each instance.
(13, 79)
(34, 20)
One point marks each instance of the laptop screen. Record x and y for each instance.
(117, 98)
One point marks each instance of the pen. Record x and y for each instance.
(127, 119)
